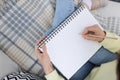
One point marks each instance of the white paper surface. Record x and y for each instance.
(68, 50)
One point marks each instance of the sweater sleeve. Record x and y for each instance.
(54, 76)
(111, 44)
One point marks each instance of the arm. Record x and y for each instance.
(44, 59)
(110, 44)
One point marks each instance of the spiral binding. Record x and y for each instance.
(61, 26)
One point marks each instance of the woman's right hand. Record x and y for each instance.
(94, 30)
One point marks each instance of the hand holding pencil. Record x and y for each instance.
(95, 33)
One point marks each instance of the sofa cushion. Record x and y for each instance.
(22, 24)
(109, 20)
(6, 65)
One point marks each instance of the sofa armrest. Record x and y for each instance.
(112, 9)
(7, 65)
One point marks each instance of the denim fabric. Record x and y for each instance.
(63, 9)
(82, 73)
(101, 56)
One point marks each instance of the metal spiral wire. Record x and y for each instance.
(61, 26)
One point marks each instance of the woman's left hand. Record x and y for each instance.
(43, 57)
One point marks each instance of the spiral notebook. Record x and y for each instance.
(67, 49)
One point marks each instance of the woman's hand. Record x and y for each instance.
(43, 58)
(95, 31)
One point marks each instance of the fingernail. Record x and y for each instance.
(41, 50)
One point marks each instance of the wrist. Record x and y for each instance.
(104, 34)
(48, 69)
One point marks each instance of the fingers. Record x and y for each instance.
(90, 29)
(41, 39)
(38, 42)
(44, 48)
(94, 30)
(37, 51)
(92, 38)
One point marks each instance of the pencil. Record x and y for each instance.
(104, 37)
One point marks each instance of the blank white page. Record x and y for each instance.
(68, 50)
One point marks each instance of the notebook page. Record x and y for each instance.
(68, 50)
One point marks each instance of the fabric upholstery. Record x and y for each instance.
(7, 65)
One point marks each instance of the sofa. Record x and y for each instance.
(23, 22)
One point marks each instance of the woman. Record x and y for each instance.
(100, 57)
(106, 71)
(68, 7)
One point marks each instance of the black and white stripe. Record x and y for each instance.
(21, 76)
